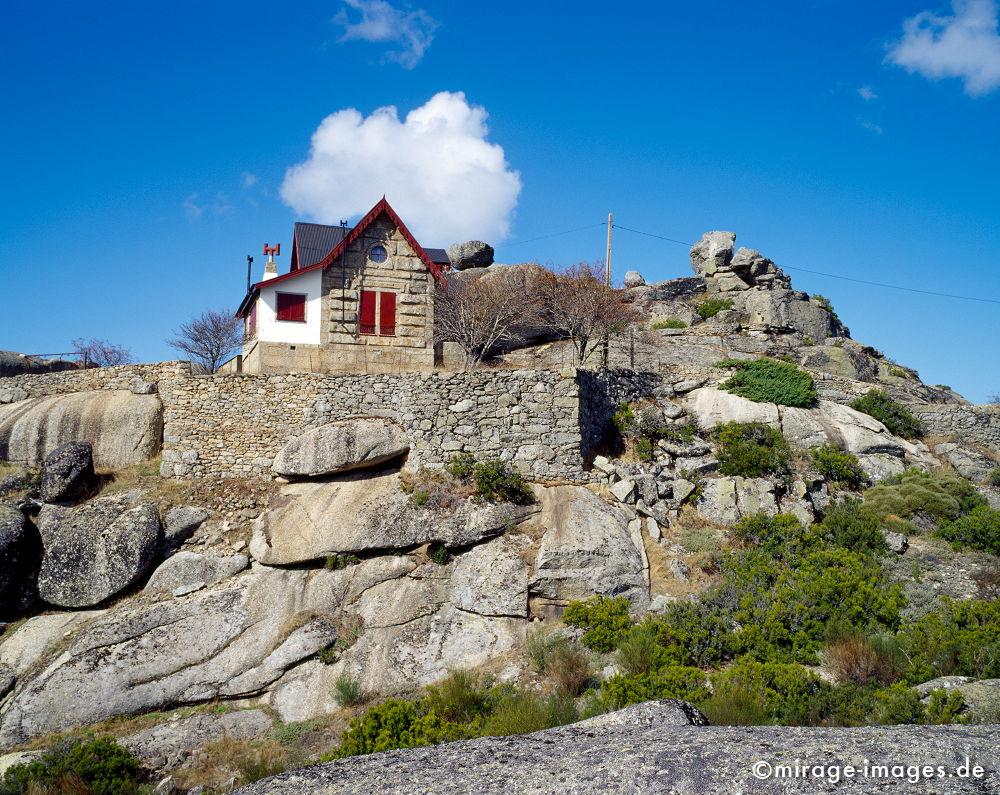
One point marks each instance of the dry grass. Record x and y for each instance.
(229, 763)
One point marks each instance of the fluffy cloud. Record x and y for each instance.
(435, 167)
(413, 31)
(867, 93)
(965, 45)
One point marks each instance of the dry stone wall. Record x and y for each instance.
(980, 424)
(31, 385)
(234, 425)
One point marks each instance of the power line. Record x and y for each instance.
(836, 276)
(556, 234)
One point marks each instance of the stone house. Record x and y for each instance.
(353, 300)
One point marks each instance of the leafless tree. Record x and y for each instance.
(210, 338)
(579, 305)
(481, 312)
(101, 353)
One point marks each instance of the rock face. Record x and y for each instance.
(188, 569)
(588, 548)
(97, 550)
(661, 712)
(355, 512)
(729, 499)
(179, 524)
(661, 760)
(342, 446)
(634, 279)
(68, 472)
(472, 254)
(123, 428)
(19, 554)
(784, 311)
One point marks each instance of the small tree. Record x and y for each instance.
(481, 312)
(581, 306)
(210, 338)
(101, 353)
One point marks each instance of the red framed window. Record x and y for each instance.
(291, 307)
(366, 320)
(387, 314)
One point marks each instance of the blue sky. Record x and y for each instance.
(146, 150)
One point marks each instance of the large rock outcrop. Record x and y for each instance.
(68, 472)
(96, 550)
(19, 554)
(341, 446)
(658, 759)
(123, 428)
(359, 512)
(471, 254)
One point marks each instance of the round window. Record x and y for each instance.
(378, 254)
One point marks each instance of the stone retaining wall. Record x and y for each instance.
(234, 425)
(980, 424)
(30, 385)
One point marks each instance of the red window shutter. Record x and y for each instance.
(291, 306)
(366, 320)
(387, 318)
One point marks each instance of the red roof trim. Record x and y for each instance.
(382, 208)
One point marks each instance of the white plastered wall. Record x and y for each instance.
(270, 329)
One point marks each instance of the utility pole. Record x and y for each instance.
(607, 266)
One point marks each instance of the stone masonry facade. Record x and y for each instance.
(233, 426)
(32, 385)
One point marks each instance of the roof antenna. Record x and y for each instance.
(343, 223)
(249, 265)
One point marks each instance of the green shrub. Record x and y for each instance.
(770, 381)
(605, 619)
(780, 538)
(671, 323)
(898, 372)
(945, 387)
(439, 554)
(839, 466)
(638, 652)
(624, 418)
(523, 712)
(825, 303)
(945, 706)
(692, 633)
(850, 524)
(497, 481)
(712, 307)
(100, 765)
(897, 704)
(962, 638)
(699, 539)
(993, 479)
(673, 681)
(347, 690)
(808, 341)
(340, 561)
(788, 694)
(751, 449)
(894, 416)
(978, 529)
(461, 466)
(397, 724)
(460, 697)
(945, 497)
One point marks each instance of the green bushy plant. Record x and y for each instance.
(993, 479)
(788, 693)
(893, 415)
(945, 706)
(850, 524)
(439, 554)
(692, 634)
(672, 681)
(978, 529)
(604, 619)
(397, 724)
(751, 449)
(523, 712)
(962, 638)
(942, 495)
(461, 466)
(498, 481)
(839, 466)
(770, 381)
(348, 690)
(671, 323)
(779, 538)
(898, 704)
(92, 766)
(712, 307)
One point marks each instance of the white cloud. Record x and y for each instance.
(413, 31)
(249, 180)
(965, 45)
(867, 93)
(436, 168)
(872, 127)
(195, 207)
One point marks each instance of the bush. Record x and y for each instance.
(87, 765)
(712, 307)
(863, 660)
(770, 381)
(751, 449)
(945, 706)
(943, 496)
(897, 704)
(894, 416)
(839, 466)
(671, 323)
(779, 693)
(638, 652)
(439, 554)
(673, 681)
(460, 697)
(850, 524)
(397, 724)
(461, 466)
(691, 633)
(568, 668)
(780, 537)
(347, 690)
(497, 481)
(978, 529)
(962, 638)
(523, 712)
(605, 619)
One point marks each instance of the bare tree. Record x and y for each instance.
(210, 338)
(581, 306)
(481, 312)
(101, 353)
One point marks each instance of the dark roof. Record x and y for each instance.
(438, 255)
(312, 242)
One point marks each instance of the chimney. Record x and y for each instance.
(271, 267)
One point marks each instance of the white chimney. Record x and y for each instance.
(271, 267)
